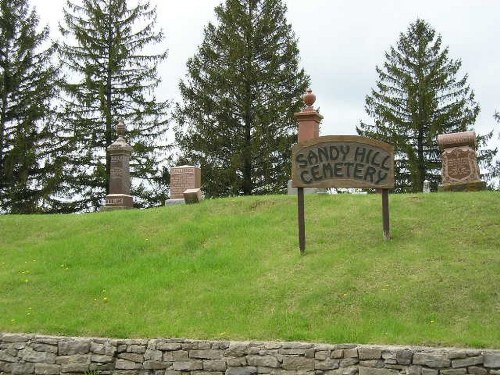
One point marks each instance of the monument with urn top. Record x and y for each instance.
(119, 174)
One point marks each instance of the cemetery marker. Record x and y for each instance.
(341, 161)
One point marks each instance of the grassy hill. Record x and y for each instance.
(231, 269)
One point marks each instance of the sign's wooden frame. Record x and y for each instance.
(345, 161)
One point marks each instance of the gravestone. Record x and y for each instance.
(182, 179)
(119, 175)
(460, 171)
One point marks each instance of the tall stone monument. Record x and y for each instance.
(460, 171)
(119, 176)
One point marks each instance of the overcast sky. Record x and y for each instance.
(341, 42)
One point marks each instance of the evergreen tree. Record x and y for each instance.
(419, 96)
(239, 95)
(112, 77)
(30, 151)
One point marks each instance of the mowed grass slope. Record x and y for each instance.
(231, 269)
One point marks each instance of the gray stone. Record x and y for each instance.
(46, 369)
(6, 357)
(122, 364)
(429, 371)
(293, 351)
(29, 355)
(453, 371)
(343, 371)
(101, 358)
(378, 363)
(154, 365)
(75, 367)
(133, 357)
(205, 354)
(414, 370)
(139, 349)
(76, 358)
(74, 347)
(298, 363)
(237, 350)
(7, 337)
(264, 361)
(153, 355)
(45, 348)
(434, 360)
(188, 366)
(474, 370)
(338, 353)
(376, 371)
(351, 353)
(214, 365)
(46, 340)
(492, 360)
(346, 362)
(22, 368)
(236, 362)
(241, 371)
(404, 357)
(179, 355)
(297, 345)
(470, 361)
(168, 346)
(369, 353)
(322, 355)
(329, 364)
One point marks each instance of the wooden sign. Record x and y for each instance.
(343, 161)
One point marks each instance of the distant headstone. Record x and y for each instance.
(185, 178)
(119, 175)
(460, 171)
(427, 186)
(293, 191)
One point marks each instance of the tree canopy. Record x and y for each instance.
(238, 98)
(419, 94)
(113, 73)
(30, 147)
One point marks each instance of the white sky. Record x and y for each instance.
(341, 42)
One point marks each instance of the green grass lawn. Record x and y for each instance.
(231, 269)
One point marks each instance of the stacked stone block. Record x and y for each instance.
(34, 354)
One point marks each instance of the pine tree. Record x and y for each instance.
(239, 95)
(112, 78)
(418, 96)
(30, 152)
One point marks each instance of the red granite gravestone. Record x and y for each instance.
(119, 177)
(460, 171)
(185, 185)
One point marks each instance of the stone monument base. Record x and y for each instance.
(463, 186)
(171, 202)
(118, 202)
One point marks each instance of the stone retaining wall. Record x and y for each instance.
(35, 354)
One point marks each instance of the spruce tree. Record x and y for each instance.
(112, 77)
(31, 153)
(418, 96)
(243, 85)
